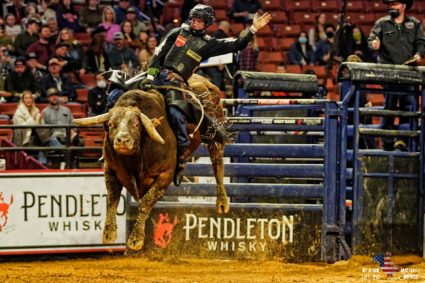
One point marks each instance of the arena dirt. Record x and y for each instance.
(119, 268)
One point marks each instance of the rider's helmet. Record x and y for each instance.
(204, 12)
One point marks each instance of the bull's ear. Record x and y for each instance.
(157, 121)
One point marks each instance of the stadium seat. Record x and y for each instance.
(320, 71)
(265, 31)
(355, 6)
(8, 109)
(293, 69)
(212, 29)
(287, 30)
(4, 120)
(219, 4)
(275, 57)
(271, 5)
(220, 15)
(297, 5)
(302, 18)
(375, 6)
(236, 28)
(6, 134)
(325, 6)
(177, 3)
(83, 38)
(77, 109)
(279, 17)
(363, 18)
(88, 79)
(264, 43)
(270, 68)
(283, 44)
(82, 95)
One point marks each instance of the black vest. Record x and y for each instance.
(184, 57)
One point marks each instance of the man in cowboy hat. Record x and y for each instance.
(399, 39)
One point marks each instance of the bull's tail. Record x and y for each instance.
(11, 199)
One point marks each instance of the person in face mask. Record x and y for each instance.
(324, 49)
(301, 52)
(398, 39)
(352, 41)
(97, 97)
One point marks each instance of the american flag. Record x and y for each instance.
(387, 266)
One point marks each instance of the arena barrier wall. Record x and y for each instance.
(44, 212)
(388, 186)
(286, 207)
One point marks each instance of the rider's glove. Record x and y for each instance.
(146, 84)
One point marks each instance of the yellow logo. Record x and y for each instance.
(193, 55)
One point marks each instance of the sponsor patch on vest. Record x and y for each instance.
(193, 55)
(180, 41)
(409, 25)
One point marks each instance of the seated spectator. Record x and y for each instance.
(243, 11)
(143, 39)
(138, 26)
(42, 48)
(248, 56)
(38, 70)
(75, 51)
(31, 12)
(54, 29)
(97, 59)
(57, 114)
(146, 54)
(97, 97)
(12, 29)
(69, 67)
(90, 16)
(54, 79)
(26, 114)
(5, 40)
(301, 53)
(130, 39)
(28, 37)
(121, 10)
(5, 70)
(17, 8)
(352, 41)
(325, 54)
(108, 23)
(120, 56)
(317, 33)
(19, 80)
(47, 9)
(67, 16)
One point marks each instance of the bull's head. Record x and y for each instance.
(125, 128)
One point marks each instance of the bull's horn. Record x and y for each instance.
(150, 129)
(91, 120)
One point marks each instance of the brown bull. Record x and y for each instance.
(140, 154)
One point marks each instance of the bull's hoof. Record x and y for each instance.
(137, 238)
(109, 234)
(222, 205)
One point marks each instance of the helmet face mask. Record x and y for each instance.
(204, 12)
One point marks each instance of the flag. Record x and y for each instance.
(387, 266)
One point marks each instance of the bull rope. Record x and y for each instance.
(193, 96)
(140, 75)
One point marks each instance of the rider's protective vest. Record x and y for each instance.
(184, 56)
